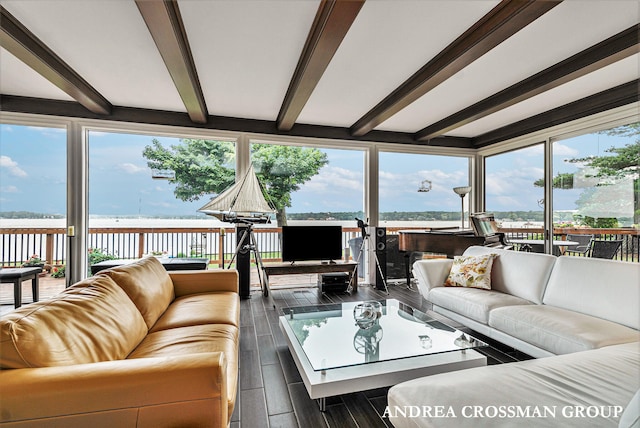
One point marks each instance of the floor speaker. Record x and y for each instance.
(380, 235)
(243, 264)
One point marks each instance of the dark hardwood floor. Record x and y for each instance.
(271, 390)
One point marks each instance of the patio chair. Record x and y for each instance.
(605, 249)
(584, 245)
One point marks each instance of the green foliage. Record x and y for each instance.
(204, 167)
(34, 260)
(200, 166)
(283, 169)
(600, 222)
(99, 255)
(58, 272)
(561, 181)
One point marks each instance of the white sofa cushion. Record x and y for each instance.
(631, 416)
(558, 330)
(473, 303)
(606, 289)
(431, 273)
(520, 274)
(603, 377)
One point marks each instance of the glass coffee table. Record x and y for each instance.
(356, 346)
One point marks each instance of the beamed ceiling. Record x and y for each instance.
(454, 73)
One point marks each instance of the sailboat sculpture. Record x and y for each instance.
(244, 202)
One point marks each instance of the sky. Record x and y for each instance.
(33, 163)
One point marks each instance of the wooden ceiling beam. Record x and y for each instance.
(503, 21)
(165, 24)
(607, 52)
(29, 49)
(331, 24)
(617, 96)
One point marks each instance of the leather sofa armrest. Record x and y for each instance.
(204, 281)
(146, 388)
(431, 273)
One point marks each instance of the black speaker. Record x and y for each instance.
(380, 236)
(243, 263)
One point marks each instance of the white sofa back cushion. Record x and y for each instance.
(606, 289)
(520, 274)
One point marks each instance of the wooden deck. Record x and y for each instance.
(271, 392)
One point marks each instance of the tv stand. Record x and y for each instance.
(309, 267)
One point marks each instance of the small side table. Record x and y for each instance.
(17, 276)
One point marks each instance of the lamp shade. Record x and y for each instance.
(463, 190)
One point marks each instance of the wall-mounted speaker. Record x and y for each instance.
(381, 254)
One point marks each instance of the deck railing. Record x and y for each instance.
(218, 244)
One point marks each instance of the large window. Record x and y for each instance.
(33, 186)
(309, 185)
(595, 180)
(150, 188)
(417, 190)
(514, 191)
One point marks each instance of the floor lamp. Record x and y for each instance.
(462, 191)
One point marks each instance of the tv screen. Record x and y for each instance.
(311, 243)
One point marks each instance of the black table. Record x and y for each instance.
(170, 264)
(17, 276)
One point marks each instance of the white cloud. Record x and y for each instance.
(335, 179)
(560, 149)
(9, 189)
(130, 168)
(12, 166)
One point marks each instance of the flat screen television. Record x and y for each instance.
(311, 243)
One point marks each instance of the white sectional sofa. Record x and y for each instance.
(582, 313)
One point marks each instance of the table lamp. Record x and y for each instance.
(462, 191)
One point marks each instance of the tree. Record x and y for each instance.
(561, 181)
(203, 167)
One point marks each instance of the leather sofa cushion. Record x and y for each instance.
(607, 289)
(472, 302)
(518, 273)
(559, 331)
(198, 309)
(147, 284)
(89, 322)
(194, 340)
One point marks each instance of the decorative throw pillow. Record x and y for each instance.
(471, 271)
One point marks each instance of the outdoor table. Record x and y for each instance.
(528, 244)
(17, 276)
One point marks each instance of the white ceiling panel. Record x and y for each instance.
(246, 52)
(387, 44)
(16, 78)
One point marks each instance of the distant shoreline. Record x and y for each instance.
(120, 222)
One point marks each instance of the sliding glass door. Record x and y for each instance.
(33, 195)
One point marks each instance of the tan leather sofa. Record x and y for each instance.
(133, 346)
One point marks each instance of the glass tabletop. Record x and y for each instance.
(347, 334)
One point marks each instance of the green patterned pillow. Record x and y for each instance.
(471, 271)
